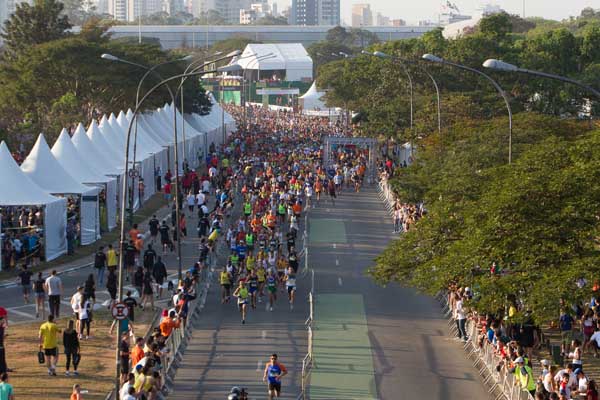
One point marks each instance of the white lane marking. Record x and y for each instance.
(21, 313)
(337, 262)
(258, 365)
(263, 334)
(340, 281)
(334, 245)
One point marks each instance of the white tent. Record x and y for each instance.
(311, 100)
(94, 155)
(109, 151)
(290, 57)
(43, 168)
(77, 165)
(20, 190)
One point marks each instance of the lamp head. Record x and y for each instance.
(186, 58)
(109, 57)
(234, 53)
(366, 53)
(432, 58)
(230, 68)
(500, 65)
(381, 54)
(344, 54)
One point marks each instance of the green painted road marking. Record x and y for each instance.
(327, 231)
(342, 350)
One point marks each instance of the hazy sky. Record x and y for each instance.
(414, 11)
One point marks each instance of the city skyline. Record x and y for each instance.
(430, 9)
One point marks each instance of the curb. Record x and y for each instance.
(5, 285)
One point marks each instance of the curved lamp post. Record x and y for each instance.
(435, 84)
(500, 65)
(149, 70)
(124, 193)
(436, 59)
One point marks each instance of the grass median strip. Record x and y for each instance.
(342, 350)
(96, 370)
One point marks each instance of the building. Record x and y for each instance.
(229, 10)
(398, 22)
(329, 12)
(256, 12)
(173, 7)
(382, 20)
(362, 15)
(177, 36)
(101, 6)
(118, 9)
(7, 7)
(304, 12)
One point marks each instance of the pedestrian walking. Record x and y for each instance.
(72, 349)
(48, 338)
(54, 288)
(100, 264)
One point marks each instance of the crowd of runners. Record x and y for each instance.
(249, 199)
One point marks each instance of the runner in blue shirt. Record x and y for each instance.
(274, 371)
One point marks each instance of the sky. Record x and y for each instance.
(414, 11)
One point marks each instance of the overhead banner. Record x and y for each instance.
(277, 91)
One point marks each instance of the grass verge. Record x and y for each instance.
(96, 370)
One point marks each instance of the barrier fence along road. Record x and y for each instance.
(500, 382)
(307, 361)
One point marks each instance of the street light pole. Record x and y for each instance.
(499, 65)
(435, 59)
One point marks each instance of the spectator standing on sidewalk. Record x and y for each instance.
(48, 336)
(6, 389)
(25, 280)
(565, 324)
(40, 296)
(54, 289)
(461, 318)
(100, 264)
(159, 272)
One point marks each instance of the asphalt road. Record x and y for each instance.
(370, 342)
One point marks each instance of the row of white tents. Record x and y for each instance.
(90, 165)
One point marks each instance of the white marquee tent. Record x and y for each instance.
(291, 57)
(41, 166)
(78, 167)
(20, 190)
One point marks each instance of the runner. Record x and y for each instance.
(274, 371)
(290, 284)
(242, 295)
(272, 289)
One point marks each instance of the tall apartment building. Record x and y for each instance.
(362, 15)
(7, 7)
(382, 20)
(173, 7)
(118, 9)
(315, 12)
(229, 10)
(329, 12)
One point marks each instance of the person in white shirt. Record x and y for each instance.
(461, 318)
(582, 381)
(124, 392)
(200, 198)
(594, 342)
(572, 383)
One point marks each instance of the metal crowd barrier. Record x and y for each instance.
(500, 382)
(308, 360)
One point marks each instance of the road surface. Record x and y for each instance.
(370, 342)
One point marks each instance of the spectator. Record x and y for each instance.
(127, 391)
(167, 325)
(72, 349)
(54, 289)
(111, 259)
(85, 317)
(40, 296)
(3, 326)
(138, 351)
(77, 393)
(100, 263)
(48, 337)
(25, 280)
(6, 389)
(565, 324)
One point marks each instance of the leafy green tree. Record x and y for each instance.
(31, 25)
(496, 26)
(78, 11)
(271, 20)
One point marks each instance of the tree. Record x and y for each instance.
(31, 25)
(271, 20)
(496, 26)
(78, 11)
